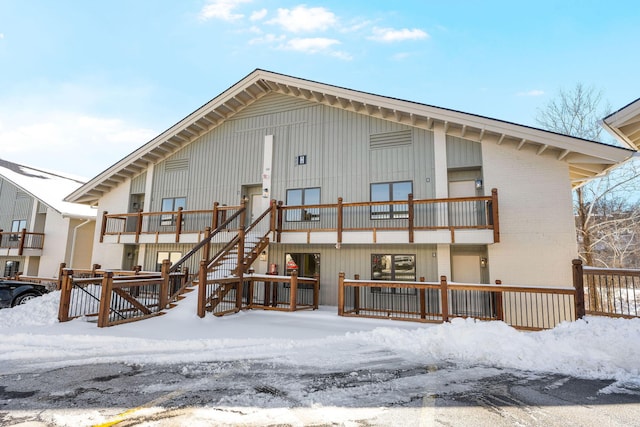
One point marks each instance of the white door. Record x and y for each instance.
(463, 214)
(466, 268)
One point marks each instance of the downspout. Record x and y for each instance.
(73, 241)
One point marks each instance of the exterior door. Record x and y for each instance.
(463, 214)
(466, 268)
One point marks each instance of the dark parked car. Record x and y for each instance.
(15, 292)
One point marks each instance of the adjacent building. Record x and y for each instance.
(38, 229)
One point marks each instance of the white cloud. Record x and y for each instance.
(392, 35)
(268, 39)
(222, 9)
(258, 15)
(69, 141)
(304, 19)
(310, 45)
(534, 92)
(1, 36)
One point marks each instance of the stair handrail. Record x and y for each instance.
(205, 241)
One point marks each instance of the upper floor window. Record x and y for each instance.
(301, 197)
(390, 191)
(172, 204)
(17, 225)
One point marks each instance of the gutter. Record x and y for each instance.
(73, 241)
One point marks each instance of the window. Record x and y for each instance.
(306, 264)
(301, 197)
(17, 225)
(171, 256)
(393, 267)
(390, 191)
(11, 268)
(172, 204)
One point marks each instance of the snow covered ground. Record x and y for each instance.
(596, 348)
(593, 348)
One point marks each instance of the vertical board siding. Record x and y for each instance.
(14, 204)
(462, 153)
(138, 183)
(335, 141)
(354, 259)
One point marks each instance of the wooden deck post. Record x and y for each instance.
(105, 299)
(444, 298)
(578, 284)
(138, 225)
(273, 216)
(23, 235)
(499, 306)
(279, 226)
(166, 280)
(202, 288)
(103, 228)
(410, 206)
(316, 291)
(214, 218)
(293, 298)
(178, 224)
(356, 295)
(495, 215)
(206, 251)
(60, 275)
(65, 295)
(423, 301)
(340, 219)
(341, 294)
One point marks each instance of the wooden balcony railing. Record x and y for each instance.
(613, 292)
(523, 307)
(173, 222)
(21, 240)
(464, 213)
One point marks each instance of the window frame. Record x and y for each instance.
(386, 212)
(303, 215)
(172, 256)
(17, 225)
(169, 220)
(393, 272)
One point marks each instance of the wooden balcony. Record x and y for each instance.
(19, 243)
(472, 220)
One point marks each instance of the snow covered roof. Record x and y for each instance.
(48, 187)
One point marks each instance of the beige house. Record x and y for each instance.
(38, 229)
(380, 187)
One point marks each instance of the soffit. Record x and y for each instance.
(586, 159)
(624, 124)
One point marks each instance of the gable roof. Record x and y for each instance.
(586, 159)
(47, 187)
(624, 124)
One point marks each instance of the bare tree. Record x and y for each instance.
(606, 209)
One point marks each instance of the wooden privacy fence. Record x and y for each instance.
(528, 308)
(227, 295)
(115, 297)
(611, 292)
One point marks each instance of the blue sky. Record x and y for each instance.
(83, 83)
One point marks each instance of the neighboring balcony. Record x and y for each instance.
(470, 220)
(21, 243)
